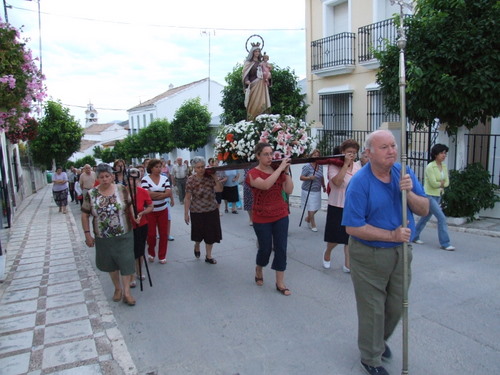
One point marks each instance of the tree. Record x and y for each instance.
(452, 63)
(190, 127)
(128, 148)
(286, 98)
(97, 150)
(107, 155)
(59, 136)
(85, 160)
(21, 83)
(156, 137)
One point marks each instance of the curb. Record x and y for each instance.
(118, 346)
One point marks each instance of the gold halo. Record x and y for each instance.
(251, 36)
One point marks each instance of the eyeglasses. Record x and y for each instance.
(266, 154)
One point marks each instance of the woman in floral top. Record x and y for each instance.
(201, 204)
(111, 208)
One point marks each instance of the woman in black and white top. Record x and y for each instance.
(159, 190)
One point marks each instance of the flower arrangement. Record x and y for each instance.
(289, 137)
(20, 81)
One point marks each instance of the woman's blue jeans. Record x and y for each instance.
(435, 209)
(272, 236)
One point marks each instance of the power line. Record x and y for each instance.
(101, 108)
(160, 25)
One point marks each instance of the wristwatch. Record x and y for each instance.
(287, 173)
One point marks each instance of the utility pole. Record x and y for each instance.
(39, 35)
(209, 33)
(5, 6)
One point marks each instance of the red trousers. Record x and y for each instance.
(158, 222)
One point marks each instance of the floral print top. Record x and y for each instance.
(110, 213)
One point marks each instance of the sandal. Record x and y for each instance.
(210, 260)
(259, 280)
(129, 300)
(197, 253)
(151, 259)
(284, 291)
(118, 295)
(133, 284)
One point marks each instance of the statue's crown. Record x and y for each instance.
(257, 44)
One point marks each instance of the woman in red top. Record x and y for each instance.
(143, 206)
(270, 213)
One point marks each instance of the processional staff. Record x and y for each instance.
(134, 174)
(401, 43)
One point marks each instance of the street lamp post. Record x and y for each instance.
(401, 43)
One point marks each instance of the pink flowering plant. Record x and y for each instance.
(288, 136)
(21, 83)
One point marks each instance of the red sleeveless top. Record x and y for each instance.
(268, 205)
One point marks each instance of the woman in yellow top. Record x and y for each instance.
(436, 179)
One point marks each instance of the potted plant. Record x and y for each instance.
(469, 192)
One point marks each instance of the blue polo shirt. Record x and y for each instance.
(371, 201)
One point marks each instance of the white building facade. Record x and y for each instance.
(166, 104)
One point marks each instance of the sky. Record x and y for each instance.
(119, 53)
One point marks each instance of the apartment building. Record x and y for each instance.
(341, 70)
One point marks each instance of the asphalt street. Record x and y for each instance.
(213, 319)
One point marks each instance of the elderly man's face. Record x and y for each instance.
(87, 169)
(384, 151)
(179, 161)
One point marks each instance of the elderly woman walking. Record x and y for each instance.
(110, 206)
(200, 209)
(60, 189)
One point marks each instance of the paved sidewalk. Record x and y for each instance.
(54, 317)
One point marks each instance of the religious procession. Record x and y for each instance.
(370, 197)
(253, 241)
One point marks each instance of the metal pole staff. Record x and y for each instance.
(307, 197)
(133, 197)
(401, 43)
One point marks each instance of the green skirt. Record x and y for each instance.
(116, 254)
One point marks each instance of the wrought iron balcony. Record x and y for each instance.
(333, 55)
(375, 37)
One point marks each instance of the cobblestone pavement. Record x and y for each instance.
(54, 317)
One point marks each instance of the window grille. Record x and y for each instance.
(377, 111)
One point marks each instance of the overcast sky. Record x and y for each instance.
(117, 53)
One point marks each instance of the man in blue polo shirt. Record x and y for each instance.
(373, 216)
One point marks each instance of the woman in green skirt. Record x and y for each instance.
(110, 206)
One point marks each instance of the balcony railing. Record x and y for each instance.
(335, 51)
(375, 36)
